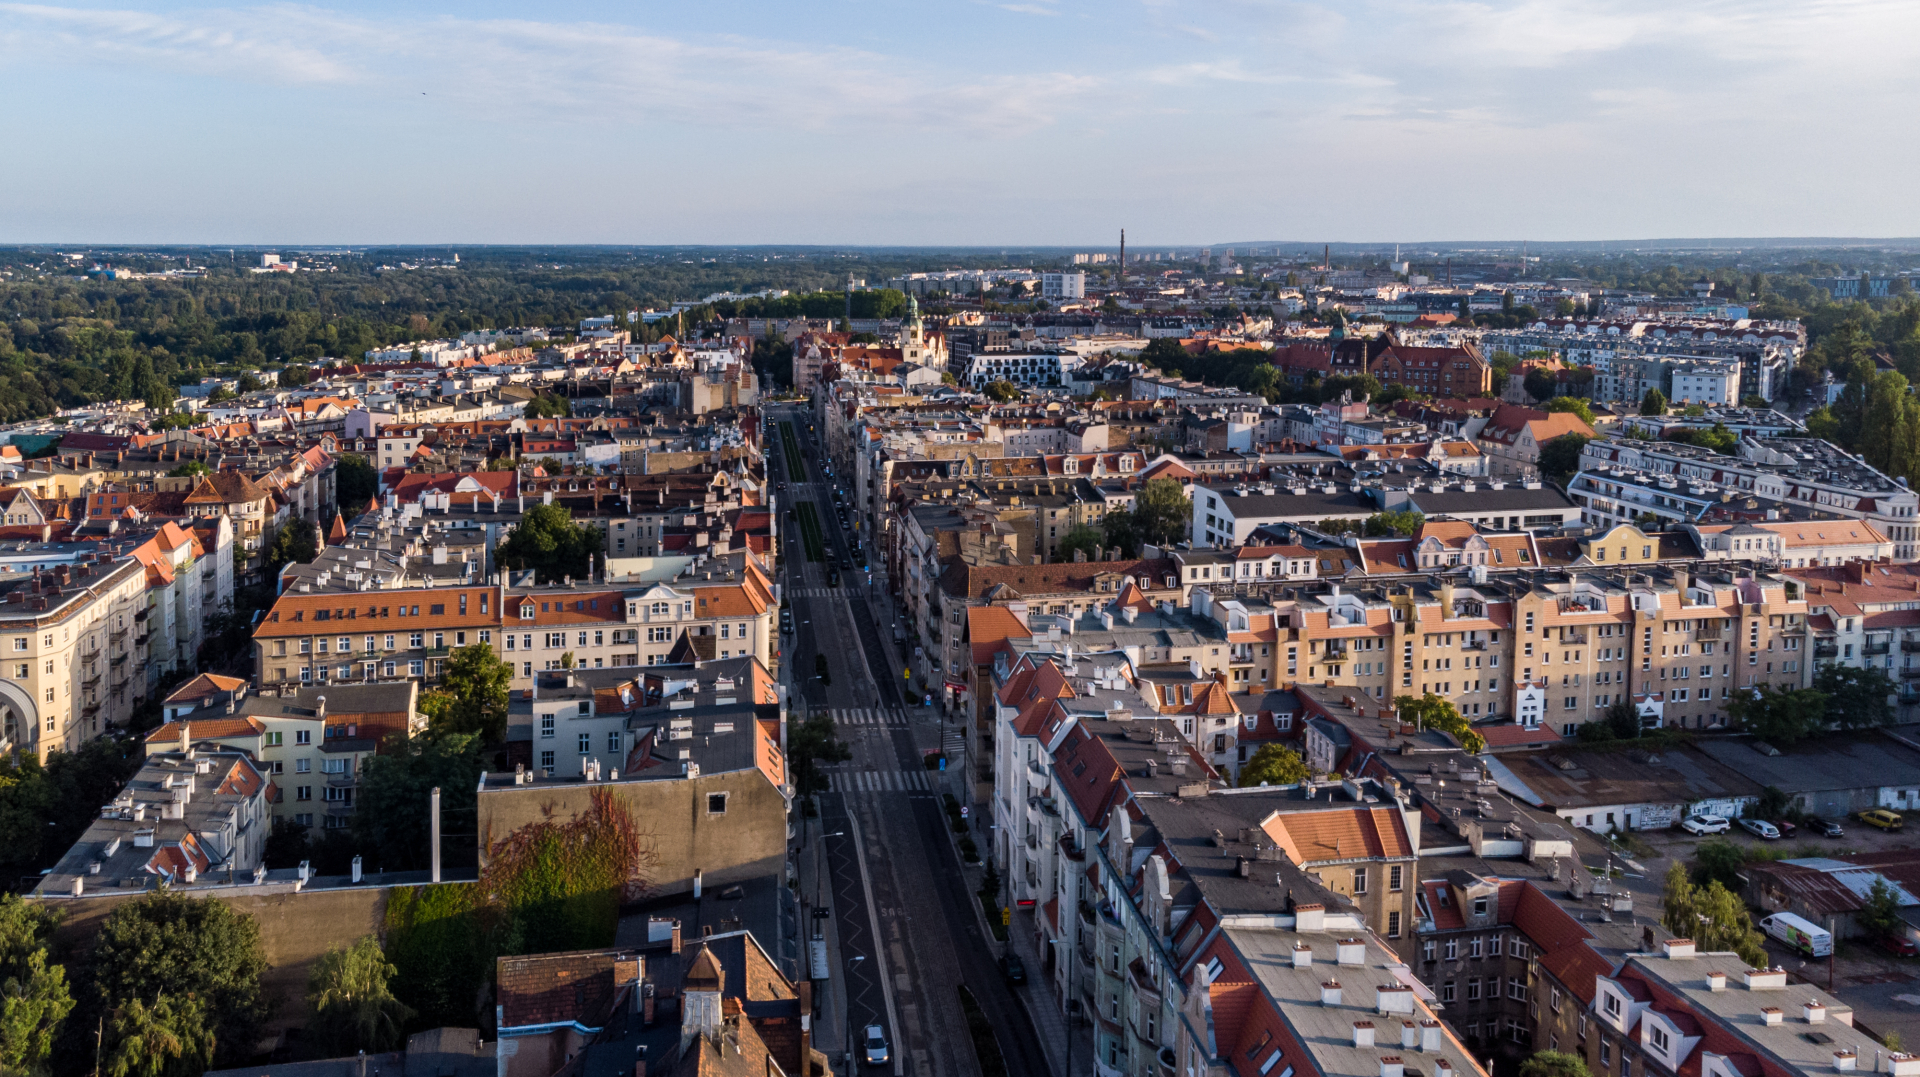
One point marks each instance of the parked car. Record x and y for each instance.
(833, 577)
(876, 1046)
(1705, 824)
(1829, 828)
(1760, 828)
(1882, 818)
(1013, 969)
(1897, 946)
(1785, 827)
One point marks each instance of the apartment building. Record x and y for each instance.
(349, 637)
(311, 743)
(722, 612)
(1512, 437)
(1622, 479)
(72, 666)
(184, 815)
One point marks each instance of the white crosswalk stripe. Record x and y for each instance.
(876, 782)
(868, 716)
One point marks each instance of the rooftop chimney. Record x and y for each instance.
(1678, 949)
(1363, 1033)
(1302, 956)
(1843, 1061)
(1330, 993)
(1430, 1036)
(1716, 980)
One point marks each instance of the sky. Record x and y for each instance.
(955, 122)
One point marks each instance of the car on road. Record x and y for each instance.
(1013, 969)
(833, 576)
(1897, 946)
(1760, 828)
(1882, 818)
(786, 620)
(1829, 828)
(875, 1042)
(1705, 824)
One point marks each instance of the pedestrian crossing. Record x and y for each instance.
(867, 716)
(814, 592)
(880, 781)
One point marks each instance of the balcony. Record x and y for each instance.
(1071, 849)
(343, 781)
(1086, 915)
(1910, 646)
(1574, 638)
(1826, 650)
(117, 633)
(438, 652)
(1879, 648)
(1910, 673)
(1709, 632)
(1474, 645)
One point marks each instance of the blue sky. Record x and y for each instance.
(955, 122)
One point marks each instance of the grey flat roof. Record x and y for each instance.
(1836, 761)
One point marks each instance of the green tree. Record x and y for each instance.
(353, 1010)
(549, 406)
(1554, 1063)
(191, 467)
(1002, 392)
(1856, 698)
(1885, 408)
(33, 994)
(396, 793)
(250, 383)
(1162, 512)
(1122, 529)
(811, 743)
(474, 683)
(1779, 716)
(1273, 764)
(1082, 538)
(1405, 523)
(1822, 424)
(355, 482)
(1718, 859)
(172, 1037)
(548, 541)
(182, 953)
(1712, 916)
(1436, 712)
(1560, 457)
(296, 541)
(1654, 403)
(1879, 914)
(25, 800)
(1541, 383)
(1572, 405)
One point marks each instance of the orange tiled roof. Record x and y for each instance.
(1342, 834)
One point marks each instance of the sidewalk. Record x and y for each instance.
(830, 1000)
(1038, 996)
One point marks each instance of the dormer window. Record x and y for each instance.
(1479, 906)
(526, 611)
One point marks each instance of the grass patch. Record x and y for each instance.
(985, 1047)
(790, 446)
(810, 532)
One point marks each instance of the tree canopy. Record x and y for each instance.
(356, 481)
(353, 1009)
(1162, 512)
(1572, 405)
(1273, 764)
(1779, 716)
(1554, 1064)
(548, 541)
(34, 998)
(1712, 916)
(1560, 457)
(179, 978)
(395, 795)
(1080, 538)
(1436, 712)
(1856, 698)
(472, 696)
(1405, 523)
(1654, 403)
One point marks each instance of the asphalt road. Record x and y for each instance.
(901, 900)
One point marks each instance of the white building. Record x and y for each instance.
(1020, 368)
(1713, 382)
(1058, 286)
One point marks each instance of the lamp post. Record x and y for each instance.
(851, 962)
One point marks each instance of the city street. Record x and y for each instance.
(910, 932)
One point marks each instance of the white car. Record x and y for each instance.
(1705, 824)
(1760, 828)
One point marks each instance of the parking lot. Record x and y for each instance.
(1883, 990)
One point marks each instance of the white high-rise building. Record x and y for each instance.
(1057, 286)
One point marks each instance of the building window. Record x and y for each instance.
(1393, 924)
(586, 743)
(1446, 991)
(546, 760)
(716, 803)
(1393, 878)
(1359, 880)
(546, 725)
(303, 736)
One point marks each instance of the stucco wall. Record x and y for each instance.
(748, 841)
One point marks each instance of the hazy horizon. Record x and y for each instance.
(1028, 122)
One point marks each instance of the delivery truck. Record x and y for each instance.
(1799, 933)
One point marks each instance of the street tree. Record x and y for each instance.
(1571, 405)
(1436, 712)
(1002, 392)
(1879, 914)
(355, 482)
(1654, 403)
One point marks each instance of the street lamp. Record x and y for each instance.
(851, 962)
